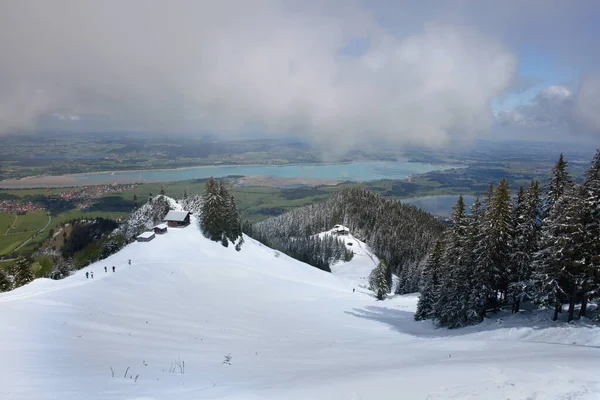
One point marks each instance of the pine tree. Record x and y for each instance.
(233, 220)
(6, 282)
(526, 228)
(212, 221)
(591, 225)
(480, 289)
(430, 282)
(378, 280)
(185, 194)
(135, 202)
(494, 245)
(23, 274)
(162, 191)
(454, 290)
(558, 183)
(560, 264)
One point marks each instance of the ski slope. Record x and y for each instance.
(288, 331)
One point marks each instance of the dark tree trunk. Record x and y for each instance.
(557, 308)
(584, 302)
(572, 304)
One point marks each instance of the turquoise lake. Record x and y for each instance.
(356, 171)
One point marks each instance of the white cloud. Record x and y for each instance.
(232, 66)
(587, 104)
(557, 111)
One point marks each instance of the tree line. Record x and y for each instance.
(399, 233)
(543, 245)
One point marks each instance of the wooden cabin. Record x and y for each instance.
(160, 229)
(145, 237)
(177, 218)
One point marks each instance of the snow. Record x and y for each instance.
(146, 235)
(292, 332)
(161, 226)
(178, 216)
(361, 265)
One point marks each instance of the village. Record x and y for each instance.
(81, 198)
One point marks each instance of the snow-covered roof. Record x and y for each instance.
(161, 226)
(178, 216)
(146, 235)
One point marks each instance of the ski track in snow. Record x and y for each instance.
(292, 332)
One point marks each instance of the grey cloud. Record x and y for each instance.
(587, 104)
(557, 111)
(229, 65)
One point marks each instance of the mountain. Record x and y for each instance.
(191, 319)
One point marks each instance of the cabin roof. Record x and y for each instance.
(161, 226)
(146, 235)
(177, 216)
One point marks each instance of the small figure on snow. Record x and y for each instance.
(105, 269)
(129, 262)
(92, 274)
(87, 275)
(113, 268)
(353, 290)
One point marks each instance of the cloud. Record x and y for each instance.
(233, 66)
(557, 111)
(586, 107)
(549, 110)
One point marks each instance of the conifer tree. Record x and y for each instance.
(480, 287)
(560, 264)
(6, 282)
(214, 210)
(558, 183)
(590, 285)
(135, 202)
(526, 235)
(23, 274)
(454, 289)
(430, 282)
(378, 280)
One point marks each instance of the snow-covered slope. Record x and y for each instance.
(358, 269)
(256, 325)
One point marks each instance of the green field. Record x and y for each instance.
(31, 222)
(10, 242)
(6, 220)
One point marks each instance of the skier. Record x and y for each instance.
(130, 262)
(113, 268)
(353, 289)
(105, 269)
(92, 274)
(87, 275)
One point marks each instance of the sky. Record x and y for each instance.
(341, 73)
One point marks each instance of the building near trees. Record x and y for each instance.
(145, 237)
(177, 218)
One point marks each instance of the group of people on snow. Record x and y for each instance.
(90, 274)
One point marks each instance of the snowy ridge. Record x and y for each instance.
(257, 324)
(361, 265)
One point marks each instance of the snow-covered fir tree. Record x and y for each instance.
(378, 280)
(22, 272)
(590, 286)
(220, 219)
(6, 281)
(430, 283)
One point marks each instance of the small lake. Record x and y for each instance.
(356, 171)
(439, 205)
